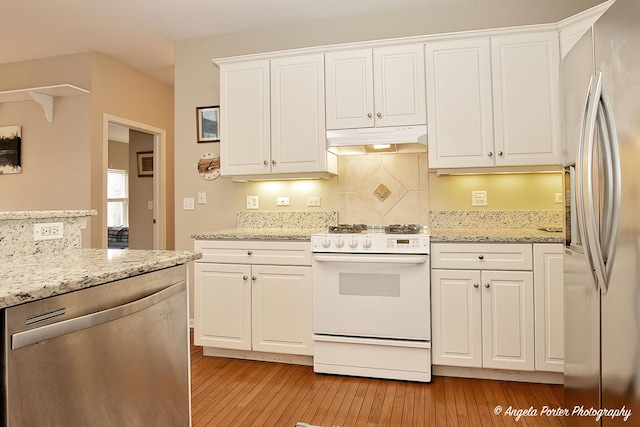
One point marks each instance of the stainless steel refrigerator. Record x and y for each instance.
(601, 96)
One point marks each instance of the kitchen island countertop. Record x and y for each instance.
(33, 277)
(248, 233)
(524, 235)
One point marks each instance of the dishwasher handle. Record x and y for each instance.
(33, 336)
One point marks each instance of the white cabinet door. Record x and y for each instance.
(507, 320)
(549, 306)
(399, 86)
(459, 103)
(379, 87)
(456, 318)
(298, 131)
(349, 89)
(222, 305)
(525, 86)
(245, 124)
(281, 301)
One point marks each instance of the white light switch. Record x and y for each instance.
(188, 204)
(202, 197)
(478, 198)
(313, 201)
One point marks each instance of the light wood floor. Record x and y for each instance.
(230, 392)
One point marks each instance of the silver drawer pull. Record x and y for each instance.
(480, 257)
(249, 252)
(245, 277)
(487, 285)
(476, 285)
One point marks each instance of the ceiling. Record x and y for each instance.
(140, 33)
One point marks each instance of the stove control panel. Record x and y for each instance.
(370, 243)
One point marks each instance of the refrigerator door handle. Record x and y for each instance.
(589, 162)
(612, 216)
(585, 132)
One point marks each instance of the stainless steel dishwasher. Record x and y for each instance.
(112, 355)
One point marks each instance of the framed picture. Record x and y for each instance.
(208, 121)
(145, 163)
(10, 149)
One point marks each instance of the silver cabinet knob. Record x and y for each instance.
(490, 154)
(379, 114)
(480, 257)
(369, 115)
(499, 153)
(476, 285)
(253, 277)
(245, 277)
(249, 252)
(273, 162)
(487, 285)
(265, 162)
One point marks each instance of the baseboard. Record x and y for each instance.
(292, 359)
(499, 374)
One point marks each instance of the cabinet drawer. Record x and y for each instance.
(482, 256)
(254, 252)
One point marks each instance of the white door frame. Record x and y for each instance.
(159, 175)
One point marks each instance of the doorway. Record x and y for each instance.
(135, 156)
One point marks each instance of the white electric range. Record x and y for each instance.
(371, 301)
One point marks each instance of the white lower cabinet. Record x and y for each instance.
(483, 318)
(254, 307)
(549, 299)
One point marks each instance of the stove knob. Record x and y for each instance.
(326, 242)
(339, 242)
(367, 243)
(353, 243)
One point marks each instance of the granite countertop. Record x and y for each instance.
(47, 214)
(33, 277)
(496, 235)
(299, 234)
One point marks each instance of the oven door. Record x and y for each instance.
(369, 295)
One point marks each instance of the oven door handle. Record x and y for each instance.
(379, 259)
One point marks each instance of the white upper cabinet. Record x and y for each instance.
(245, 122)
(525, 86)
(493, 102)
(272, 117)
(375, 87)
(459, 103)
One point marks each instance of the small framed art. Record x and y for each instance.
(145, 163)
(208, 123)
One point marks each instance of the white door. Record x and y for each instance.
(399, 86)
(507, 320)
(459, 103)
(457, 318)
(525, 84)
(245, 123)
(222, 305)
(548, 276)
(298, 131)
(349, 89)
(281, 300)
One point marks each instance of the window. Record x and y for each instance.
(117, 198)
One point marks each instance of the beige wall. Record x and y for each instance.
(140, 194)
(63, 161)
(121, 91)
(55, 156)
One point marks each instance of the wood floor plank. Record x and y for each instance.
(230, 393)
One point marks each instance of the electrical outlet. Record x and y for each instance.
(282, 201)
(313, 201)
(48, 231)
(478, 198)
(202, 197)
(252, 202)
(558, 197)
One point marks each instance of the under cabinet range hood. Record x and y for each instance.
(399, 139)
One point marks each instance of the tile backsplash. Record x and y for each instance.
(383, 189)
